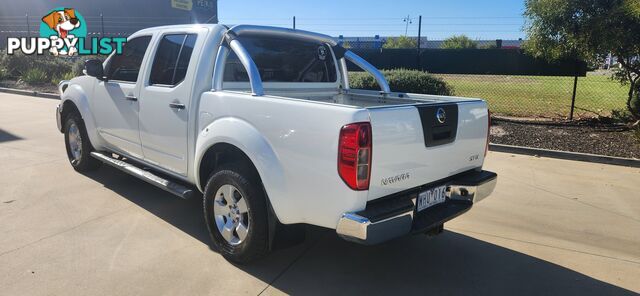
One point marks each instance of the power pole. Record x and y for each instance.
(294, 22)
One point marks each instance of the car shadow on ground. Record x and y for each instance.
(451, 263)
(7, 136)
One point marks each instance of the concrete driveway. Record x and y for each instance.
(552, 226)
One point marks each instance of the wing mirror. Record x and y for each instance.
(94, 68)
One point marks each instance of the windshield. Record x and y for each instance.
(283, 60)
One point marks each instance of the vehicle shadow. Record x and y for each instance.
(7, 137)
(324, 264)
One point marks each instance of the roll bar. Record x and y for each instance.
(231, 43)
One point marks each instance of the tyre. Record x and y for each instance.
(78, 146)
(235, 211)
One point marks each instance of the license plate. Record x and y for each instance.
(431, 197)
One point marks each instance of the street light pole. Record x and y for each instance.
(408, 21)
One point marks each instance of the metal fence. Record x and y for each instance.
(543, 96)
(514, 83)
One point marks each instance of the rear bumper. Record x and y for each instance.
(393, 216)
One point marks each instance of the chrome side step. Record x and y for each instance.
(167, 185)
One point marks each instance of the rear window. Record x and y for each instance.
(283, 60)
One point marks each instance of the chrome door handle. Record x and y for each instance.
(177, 106)
(131, 98)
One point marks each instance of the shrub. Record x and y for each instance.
(458, 42)
(402, 80)
(400, 42)
(34, 76)
(63, 76)
(19, 64)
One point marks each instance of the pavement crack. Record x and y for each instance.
(545, 245)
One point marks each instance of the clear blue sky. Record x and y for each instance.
(479, 19)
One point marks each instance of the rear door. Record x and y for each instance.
(165, 103)
(116, 101)
(417, 144)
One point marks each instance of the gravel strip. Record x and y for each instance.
(584, 139)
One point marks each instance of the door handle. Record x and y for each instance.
(177, 106)
(131, 98)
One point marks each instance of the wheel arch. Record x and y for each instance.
(74, 99)
(230, 139)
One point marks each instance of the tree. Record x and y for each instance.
(400, 42)
(458, 42)
(589, 30)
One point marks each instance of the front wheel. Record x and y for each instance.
(78, 145)
(235, 211)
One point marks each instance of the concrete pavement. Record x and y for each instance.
(552, 226)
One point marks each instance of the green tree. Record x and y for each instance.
(458, 42)
(400, 42)
(589, 30)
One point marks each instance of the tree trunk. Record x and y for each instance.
(633, 103)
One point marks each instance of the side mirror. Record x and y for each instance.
(94, 68)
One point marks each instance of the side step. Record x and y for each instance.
(167, 185)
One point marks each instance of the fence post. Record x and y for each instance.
(419, 41)
(102, 24)
(573, 97)
(26, 16)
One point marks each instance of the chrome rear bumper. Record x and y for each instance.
(395, 216)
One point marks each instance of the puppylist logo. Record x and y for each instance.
(63, 31)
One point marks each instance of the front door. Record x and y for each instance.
(165, 103)
(116, 100)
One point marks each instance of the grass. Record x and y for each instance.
(541, 96)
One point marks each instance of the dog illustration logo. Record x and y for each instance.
(63, 23)
(63, 32)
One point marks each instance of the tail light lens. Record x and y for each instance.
(354, 155)
(486, 147)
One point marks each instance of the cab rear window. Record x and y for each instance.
(284, 60)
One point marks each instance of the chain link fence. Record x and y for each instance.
(596, 94)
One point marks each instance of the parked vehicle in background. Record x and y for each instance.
(262, 121)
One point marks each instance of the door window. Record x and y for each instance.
(126, 66)
(172, 59)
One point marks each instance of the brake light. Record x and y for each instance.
(486, 147)
(354, 155)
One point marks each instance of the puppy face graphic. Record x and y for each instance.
(62, 21)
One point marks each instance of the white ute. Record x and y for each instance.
(263, 122)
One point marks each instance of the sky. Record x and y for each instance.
(479, 19)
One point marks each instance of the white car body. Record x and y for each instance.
(289, 131)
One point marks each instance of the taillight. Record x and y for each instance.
(354, 155)
(486, 147)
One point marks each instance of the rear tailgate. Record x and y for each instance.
(417, 144)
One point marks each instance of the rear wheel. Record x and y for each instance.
(235, 211)
(78, 145)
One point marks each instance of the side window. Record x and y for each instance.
(172, 59)
(126, 66)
